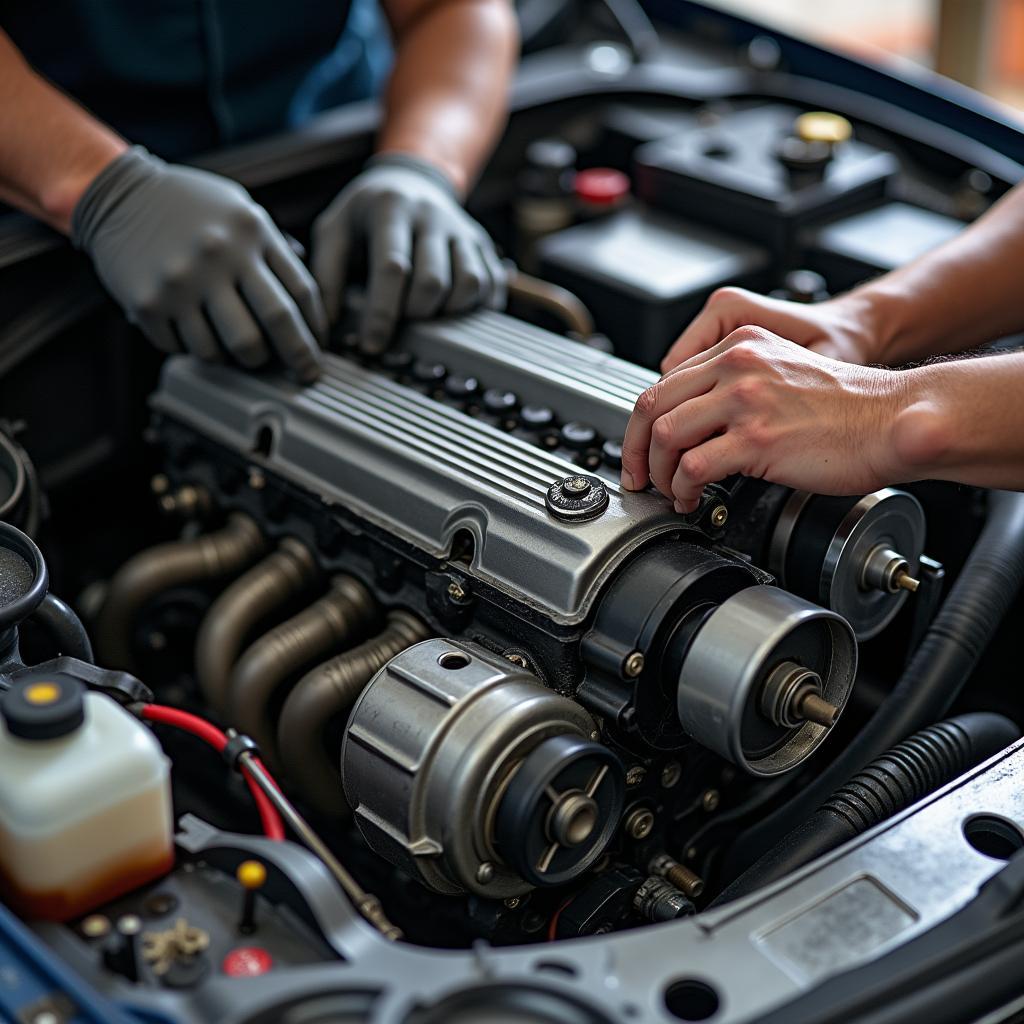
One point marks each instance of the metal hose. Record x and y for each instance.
(328, 691)
(907, 773)
(554, 299)
(211, 556)
(343, 615)
(284, 574)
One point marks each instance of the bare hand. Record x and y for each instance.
(764, 407)
(839, 328)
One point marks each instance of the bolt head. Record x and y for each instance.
(710, 800)
(633, 664)
(640, 823)
(512, 902)
(485, 873)
(636, 775)
(719, 516)
(671, 774)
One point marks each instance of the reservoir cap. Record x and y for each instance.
(43, 706)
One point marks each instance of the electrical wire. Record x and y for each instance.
(273, 826)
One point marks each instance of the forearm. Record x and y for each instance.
(963, 420)
(964, 293)
(446, 101)
(52, 148)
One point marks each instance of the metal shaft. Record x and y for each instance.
(367, 904)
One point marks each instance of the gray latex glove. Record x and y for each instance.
(425, 254)
(196, 264)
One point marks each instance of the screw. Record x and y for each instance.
(685, 880)
(633, 664)
(671, 774)
(710, 800)
(512, 902)
(640, 823)
(516, 659)
(485, 873)
(636, 775)
(719, 516)
(455, 592)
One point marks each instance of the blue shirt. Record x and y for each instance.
(185, 76)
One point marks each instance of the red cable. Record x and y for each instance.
(273, 827)
(553, 923)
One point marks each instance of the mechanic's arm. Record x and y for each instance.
(762, 406)
(445, 106)
(963, 293)
(188, 255)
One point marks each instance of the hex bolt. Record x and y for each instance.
(512, 902)
(710, 800)
(485, 873)
(685, 880)
(456, 592)
(636, 775)
(633, 664)
(719, 516)
(516, 659)
(639, 823)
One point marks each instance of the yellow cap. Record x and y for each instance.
(251, 874)
(42, 693)
(821, 126)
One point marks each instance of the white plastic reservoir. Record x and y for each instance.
(85, 802)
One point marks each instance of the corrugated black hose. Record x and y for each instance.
(907, 773)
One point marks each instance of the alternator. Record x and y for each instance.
(472, 775)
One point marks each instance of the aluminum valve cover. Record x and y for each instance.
(423, 471)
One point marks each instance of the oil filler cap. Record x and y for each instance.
(43, 707)
(577, 498)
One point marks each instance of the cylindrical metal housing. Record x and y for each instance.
(733, 656)
(430, 747)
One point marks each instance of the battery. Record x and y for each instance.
(750, 172)
(645, 274)
(849, 249)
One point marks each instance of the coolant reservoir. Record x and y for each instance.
(85, 804)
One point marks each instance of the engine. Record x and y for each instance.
(508, 670)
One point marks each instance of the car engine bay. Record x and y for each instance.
(452, 727)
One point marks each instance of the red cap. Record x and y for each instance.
(247, 962)
(601, 186)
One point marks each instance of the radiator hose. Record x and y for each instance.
(907, 773)
(954, 643)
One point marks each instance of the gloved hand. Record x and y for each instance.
(426, 255)
(195, 263)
